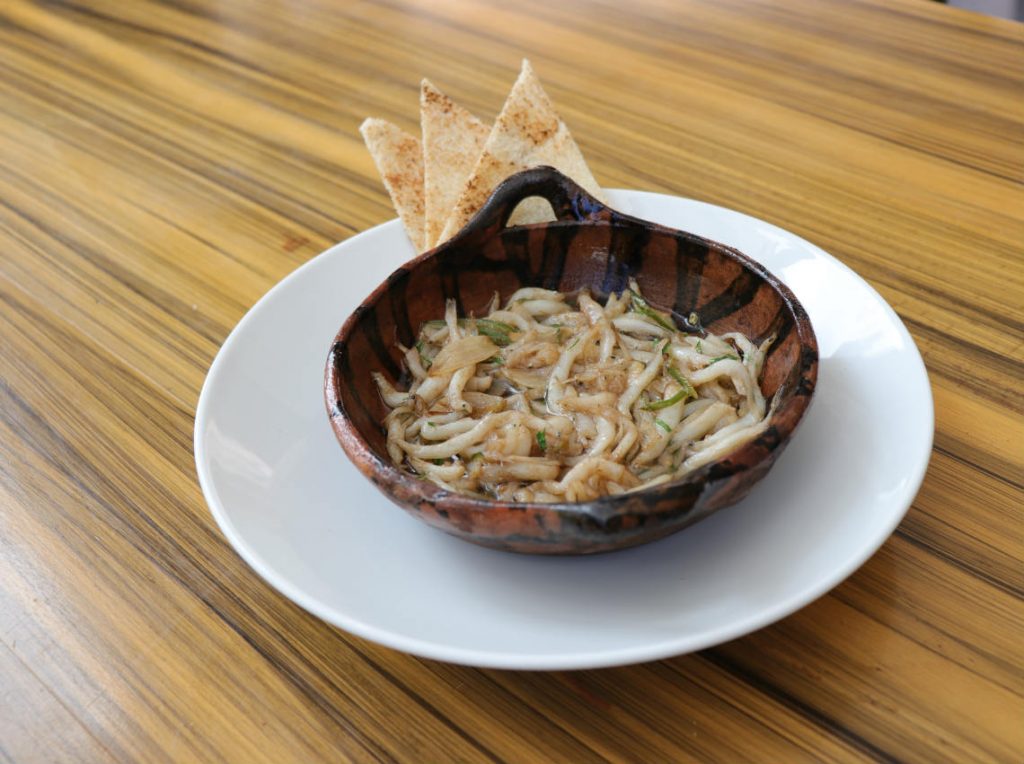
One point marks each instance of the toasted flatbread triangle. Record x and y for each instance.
(453, 140)
(399, 160)
(526, 134)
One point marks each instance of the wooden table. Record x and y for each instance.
(163, 164)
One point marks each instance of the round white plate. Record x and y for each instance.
(300, 514)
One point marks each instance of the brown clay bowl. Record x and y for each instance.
(588, 246)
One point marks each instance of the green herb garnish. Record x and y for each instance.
(497, 360)
(640, 305)
(698, 347)
(431, 424)
(501, 326)
(683, 382)
(665, 403)
(542, 440)
(438, 462)
(426, 362)
(729, 356)
(497, 331)
(574, 344)
(663, 425)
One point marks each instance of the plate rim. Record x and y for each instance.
(688, 642)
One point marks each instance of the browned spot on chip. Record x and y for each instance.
(399, 160)
(526, 134)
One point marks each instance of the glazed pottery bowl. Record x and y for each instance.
(588, 246)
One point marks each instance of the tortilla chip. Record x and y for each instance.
(453, 140)
(526, 134)
(399, 160)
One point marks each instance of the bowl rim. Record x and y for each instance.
(573, 207)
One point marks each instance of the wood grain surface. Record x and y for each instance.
(163, 164)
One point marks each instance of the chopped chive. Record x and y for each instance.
(492, 330)
(542, 440)
(663, 425)
(665, 403)
(574, 344)
(497, 360)
(426, 362)
(641, 306)
(683, 382)
(431, 424)
(729, 356)
(698, 347)
(499, 325)
(438, 462)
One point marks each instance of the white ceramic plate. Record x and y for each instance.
(301, 515)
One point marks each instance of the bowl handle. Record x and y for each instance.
(567, 199)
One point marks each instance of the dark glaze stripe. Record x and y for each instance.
(692, 255)
(380, 344)
(342, 360)
(449, 284)
(739, 292)
(780, 326)
(398, 285)
(557, 243)
(628, 244)
(514, 256)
